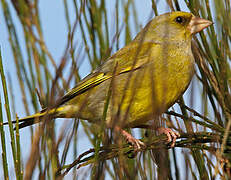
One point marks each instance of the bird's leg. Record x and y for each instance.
(172, 136)
(135, 142)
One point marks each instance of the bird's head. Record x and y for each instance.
(173, 26)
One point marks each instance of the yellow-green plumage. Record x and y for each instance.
(147, 76)
(143, 92)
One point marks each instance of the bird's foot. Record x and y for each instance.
(130, 139)
(137, 144)
(171, 135)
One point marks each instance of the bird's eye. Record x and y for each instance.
(179, 19)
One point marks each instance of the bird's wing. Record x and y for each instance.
(91, 81)
(127, 59)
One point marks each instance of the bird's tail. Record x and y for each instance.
(33, 119)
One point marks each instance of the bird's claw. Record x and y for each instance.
(135, 142)
(171, 135)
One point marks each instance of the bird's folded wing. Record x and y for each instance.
(125, 60)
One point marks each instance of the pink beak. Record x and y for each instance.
(197, 24)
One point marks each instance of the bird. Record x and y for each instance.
(138, 83)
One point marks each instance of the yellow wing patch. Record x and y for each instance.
(119, 63)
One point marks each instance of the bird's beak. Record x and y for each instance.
(197, 24)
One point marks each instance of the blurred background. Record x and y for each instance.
(47, 47)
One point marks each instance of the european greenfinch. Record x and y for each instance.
(139, 82)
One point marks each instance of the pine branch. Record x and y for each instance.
(198, 141)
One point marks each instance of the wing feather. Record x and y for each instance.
(139, 58)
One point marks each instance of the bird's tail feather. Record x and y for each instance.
(33, 119)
